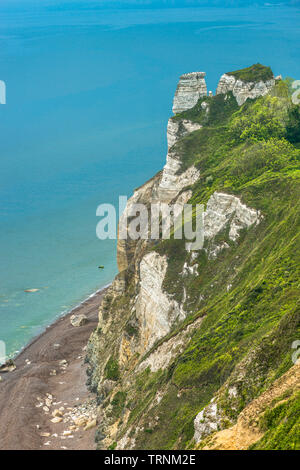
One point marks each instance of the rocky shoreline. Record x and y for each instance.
(46, 395)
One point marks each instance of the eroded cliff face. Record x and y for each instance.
(191, 87)
(180, 128)
(242, 90)
(165, 187)
(181, 345)
(155, 310)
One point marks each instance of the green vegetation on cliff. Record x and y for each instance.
(281, 425)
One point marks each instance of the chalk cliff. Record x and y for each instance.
(187, 340)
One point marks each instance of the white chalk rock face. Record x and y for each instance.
(243, 90)
(172, 183)
(224, 208)
(191, 87)
(226, 84)
(163, 355)
(155, 310)
(180, 128)
(206, 422)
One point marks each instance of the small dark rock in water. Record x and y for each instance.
(8, 366)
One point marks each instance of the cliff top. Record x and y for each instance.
(193, 75)
(254, 73)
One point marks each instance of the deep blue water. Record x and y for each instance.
(89, 92)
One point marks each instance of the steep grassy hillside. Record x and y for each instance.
(240, 298)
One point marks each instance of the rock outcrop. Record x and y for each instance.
(223, 209)
(172, 182)
(207, 421)
(243, 90)
(178, 128)
(8, 366)
(191, 87)
(164, 354)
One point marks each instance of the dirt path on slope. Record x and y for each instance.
(246, 431)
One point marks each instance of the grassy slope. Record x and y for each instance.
(281, 425)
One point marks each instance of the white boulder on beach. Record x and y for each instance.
(78, 320)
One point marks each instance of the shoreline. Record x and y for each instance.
(63, 314)
(51, 365)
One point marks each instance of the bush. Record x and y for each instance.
(112, 446)
(293, 125)
(112, 370)
(281, 426)
(274, 155)
(261, 121)
(118, 403)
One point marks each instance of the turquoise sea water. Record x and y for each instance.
(89, 92)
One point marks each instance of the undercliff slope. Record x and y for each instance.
(189, 341)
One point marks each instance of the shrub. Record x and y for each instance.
(261, 121)
(112, 369)
(274, 154)
(112, 446)
(293, 125)
(118, 403)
